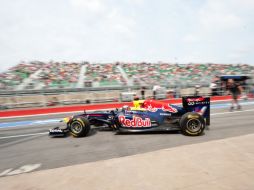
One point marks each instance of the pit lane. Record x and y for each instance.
(21, 149)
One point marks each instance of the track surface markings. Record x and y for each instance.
(56, 120)
(22, 169)
(232, 112)
(24, 135)
(44, 133)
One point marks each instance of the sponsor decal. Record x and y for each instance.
(193, 116)
(151, 109)
(135, 122)
(198, 103)
(154, 124)
(169, 108)
(56, 130)
(191, 103)
(207, 102)
(200, 99)
(166, 114)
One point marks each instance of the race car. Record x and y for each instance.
(147, 115)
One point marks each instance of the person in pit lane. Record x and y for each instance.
(235, 90)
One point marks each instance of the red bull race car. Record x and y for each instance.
(190, 118)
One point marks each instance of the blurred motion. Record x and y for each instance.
(81, 67)
(36, 84)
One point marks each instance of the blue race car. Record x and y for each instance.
(147, 115)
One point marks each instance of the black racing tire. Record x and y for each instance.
(192, 124)
(79, 127)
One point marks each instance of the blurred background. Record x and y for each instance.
(37, 83)
(95, 51)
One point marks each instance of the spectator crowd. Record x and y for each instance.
(59, 75)
(15, 75)
(104, 75)
(53, 75)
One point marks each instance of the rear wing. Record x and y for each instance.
(198, 104)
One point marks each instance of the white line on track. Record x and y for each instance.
(24, 135)
(232, 112)
(35, 134)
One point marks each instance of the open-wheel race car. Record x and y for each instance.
(147, 115)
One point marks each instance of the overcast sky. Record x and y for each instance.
(127, 30)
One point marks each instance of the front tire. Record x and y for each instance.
(79, 127)
(192, 124)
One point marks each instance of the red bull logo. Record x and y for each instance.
(151, 109)
(135, 122)
(169, 108)
(200, 99)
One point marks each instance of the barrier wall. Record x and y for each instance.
(41, 100)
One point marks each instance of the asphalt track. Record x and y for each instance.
(24, 142)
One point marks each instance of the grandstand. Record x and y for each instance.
(38, 75)
(104, 75)
(40, 84)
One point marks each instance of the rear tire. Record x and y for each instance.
(79, 127)
(192, 124)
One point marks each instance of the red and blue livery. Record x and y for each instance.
(190, 118)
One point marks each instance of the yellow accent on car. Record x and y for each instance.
(66, 119)
(137, 105)
(137, 109)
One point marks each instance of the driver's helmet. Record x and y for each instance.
(138, 103)
(126, 108)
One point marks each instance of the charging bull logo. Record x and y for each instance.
(135, 122)
(151, 109)
(169, 108)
